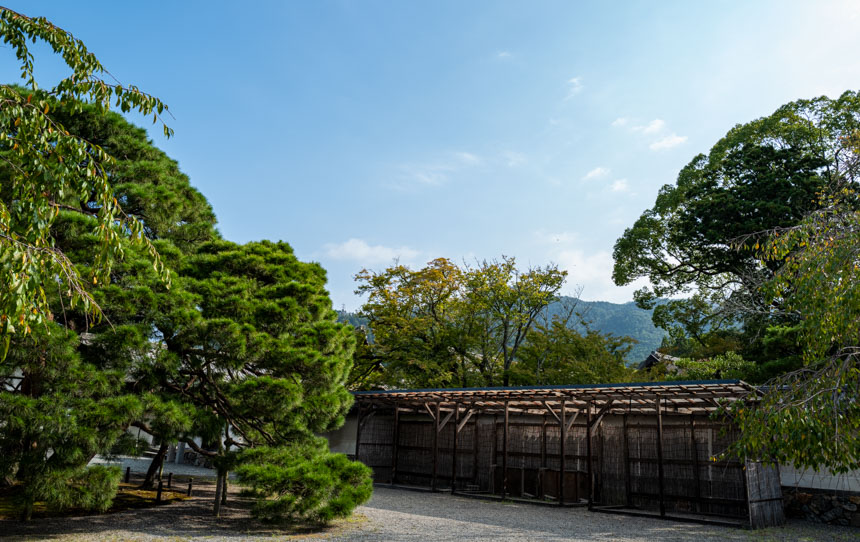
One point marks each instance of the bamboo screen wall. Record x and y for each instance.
(514, 447)
(693, 481)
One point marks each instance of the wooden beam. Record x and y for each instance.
(602, 413)
(430, 410)
(465, 419)
(444, 421)
(551, 411)
(570, 421)
(660, 456)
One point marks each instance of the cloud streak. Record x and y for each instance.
(668, 142)
(596, 173)
(574, 87)
(360, 251)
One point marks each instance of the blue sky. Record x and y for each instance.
(361, 132)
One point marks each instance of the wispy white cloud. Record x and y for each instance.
(667, 142)
(574, 87)
(504, 55)
(360, 251)
(620, 185)
(435, 173)
(596, 173)
(620, 121)
(467, 158)
(653, 127)
(514, 159)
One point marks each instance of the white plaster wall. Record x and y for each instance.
(342, 440)
(792, 477)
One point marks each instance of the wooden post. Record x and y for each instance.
(394, 443)
(358, 435)
(543, 457)
(435, 447)
(660, 455)
(127, 474)
(494, 464)
(562, 464)
(190, 482)
(588, 456)
(158, 493)
(218, 489)
(628, 498)
(454, 448)
(505, 454)
(169, 480)
(475, 451)
(694, 450)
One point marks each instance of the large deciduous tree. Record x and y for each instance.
(48, 168)
(811, 417)
(762, 175)
(448, 326)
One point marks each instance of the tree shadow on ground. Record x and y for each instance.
(190, 518)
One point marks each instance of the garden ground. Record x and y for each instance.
(398, 515)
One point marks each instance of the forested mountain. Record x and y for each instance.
(616, 318)
(619, 319)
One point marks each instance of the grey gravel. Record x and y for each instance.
(401, 515)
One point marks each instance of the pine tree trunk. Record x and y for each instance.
(155, 466)
(224, 489)
(219, 487)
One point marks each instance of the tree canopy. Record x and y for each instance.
(450, 326)
(702, 237)
(48, 169)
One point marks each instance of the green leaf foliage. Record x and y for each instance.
(48, 168)
(703, 234)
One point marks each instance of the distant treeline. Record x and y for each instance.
(620, 319)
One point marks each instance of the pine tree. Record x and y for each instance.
(261, 349)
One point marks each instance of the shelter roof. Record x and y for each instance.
(690, 397)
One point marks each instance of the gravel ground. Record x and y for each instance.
(400, 515)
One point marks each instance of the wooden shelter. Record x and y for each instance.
(645, 448)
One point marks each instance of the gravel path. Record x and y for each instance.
(400, 515)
